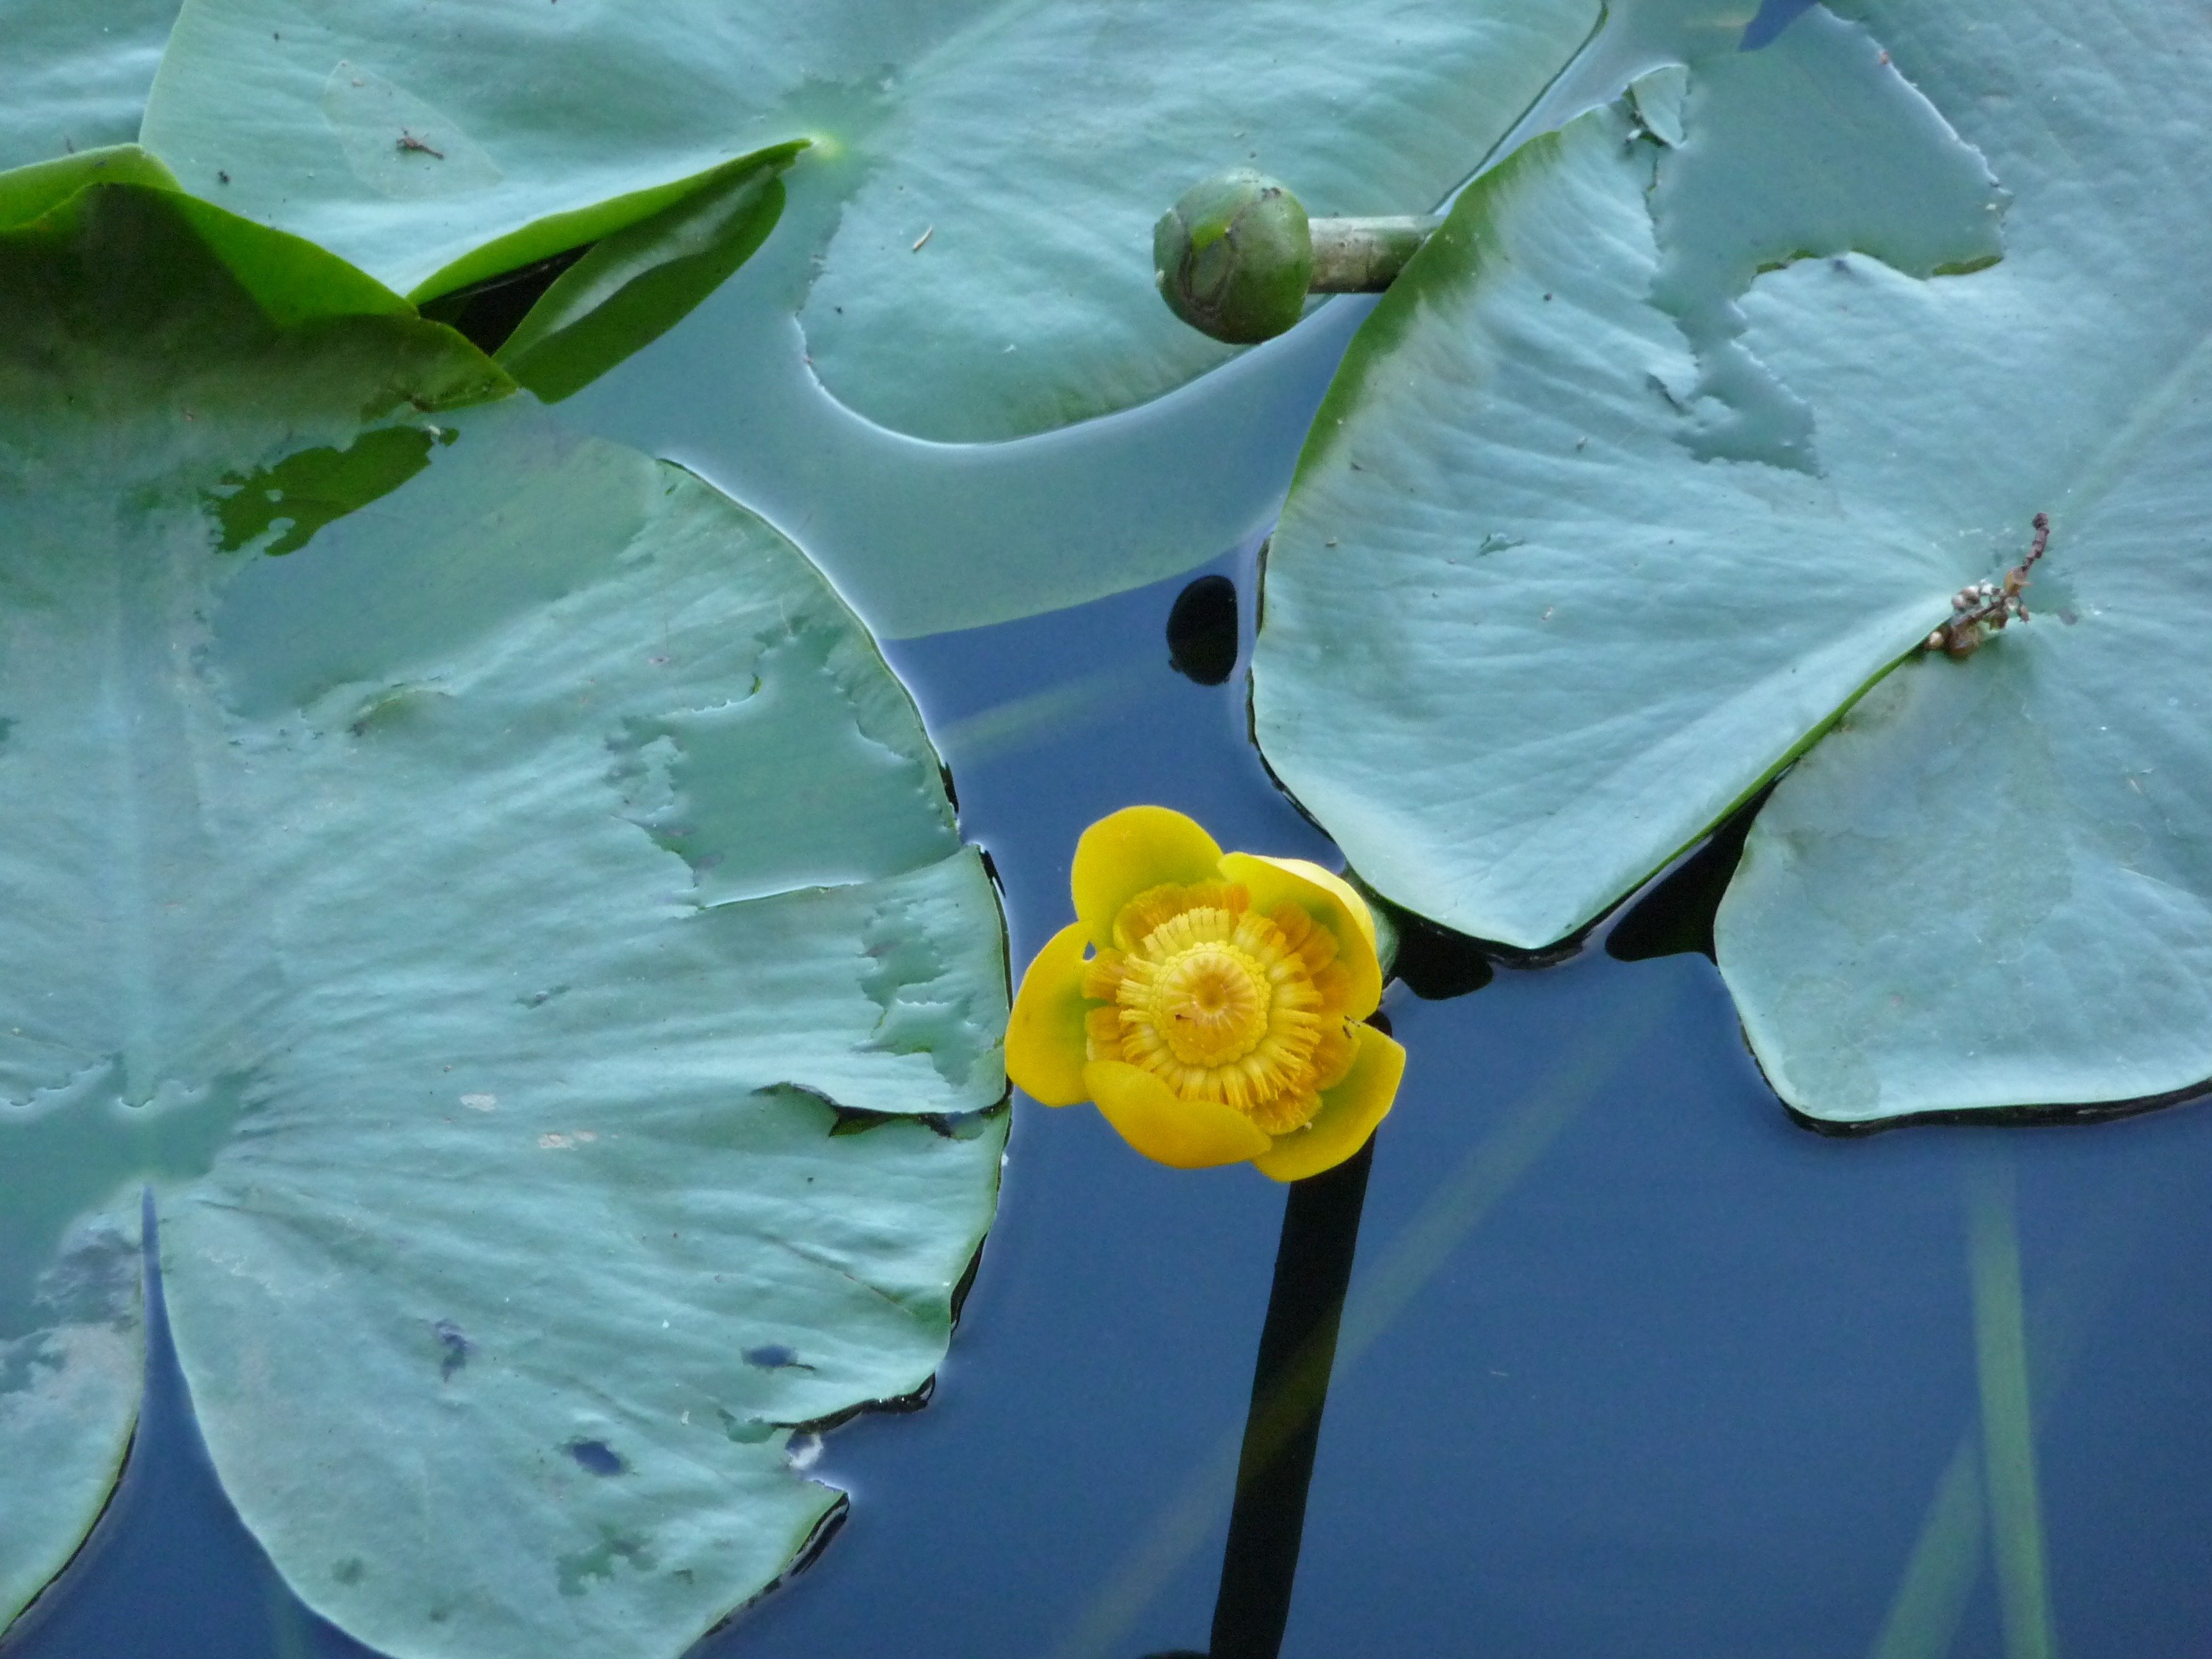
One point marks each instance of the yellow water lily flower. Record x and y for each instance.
(1209, 1002)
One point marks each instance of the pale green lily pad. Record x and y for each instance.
(547, 1105)
(1026, 148)
(1529, 632)
(77, 74)
(1036, 150)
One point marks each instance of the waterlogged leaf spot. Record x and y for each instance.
(928, 1001)
(486, 1140)
(819, 716)
(774, 1357)
(453, 1349)
(289, 502)
(398, 145)
(614, 1551)
(1813, 146)
(1983, 884)
(597, 1457)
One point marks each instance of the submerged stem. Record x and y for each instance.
(1289, 1385)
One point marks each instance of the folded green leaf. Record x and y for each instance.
(634, 286)
(28, 192)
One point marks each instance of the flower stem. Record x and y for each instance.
(1289, 1385)
(1364, 256)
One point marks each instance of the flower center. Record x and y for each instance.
(1222, 1004)
(1210, 1002)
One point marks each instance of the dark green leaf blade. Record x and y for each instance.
(634, 286)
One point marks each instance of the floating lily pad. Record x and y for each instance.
(517, 931)
(1585, 547)
(990, 276)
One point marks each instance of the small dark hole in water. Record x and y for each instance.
(487, 313)
(1676, 917)
(597, 1457)
(1435, 963)
(1202, 630)
(456, 1347)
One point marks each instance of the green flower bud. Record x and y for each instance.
(1234, 257)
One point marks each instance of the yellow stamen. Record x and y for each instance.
(1221, 1003)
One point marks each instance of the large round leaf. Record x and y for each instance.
(991, 274)
(1580, 554)
(518, 930)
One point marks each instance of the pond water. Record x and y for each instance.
(1632, 1364)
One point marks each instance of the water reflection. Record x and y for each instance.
(1202, 632)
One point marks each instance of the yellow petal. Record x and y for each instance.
(1330, 901)
(1045, 1032)
(1350, 896)
(1127, 852)
(1332, 1054)
(1189, 1134)
(1348, 1114)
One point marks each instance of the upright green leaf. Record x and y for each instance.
(632, 287)
(519, 934)
(27, 192)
